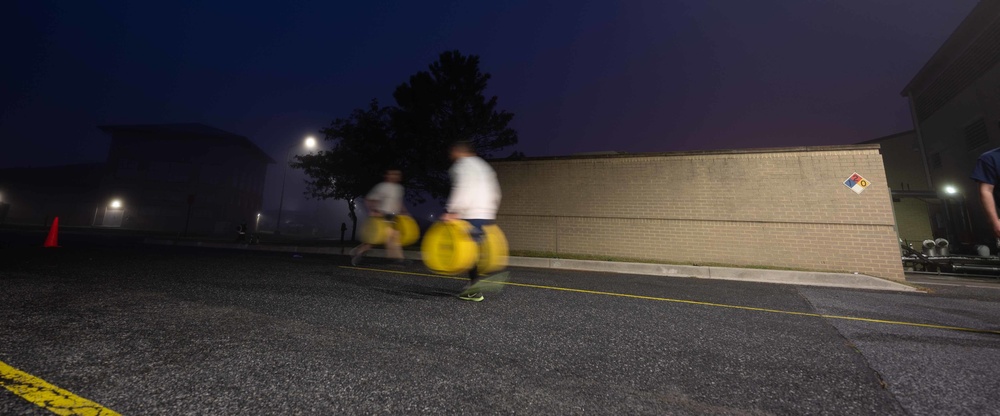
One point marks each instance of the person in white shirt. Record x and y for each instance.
(386, 201)
(474, 197)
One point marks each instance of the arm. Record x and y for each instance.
(454, 204)
(400, 208)
(457, 196)
(372, 200)
(989, 205)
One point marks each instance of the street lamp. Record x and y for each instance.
(256, 226)
(309, 143)
(950, 190)
(116, 208)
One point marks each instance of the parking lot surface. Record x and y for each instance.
(171, 330)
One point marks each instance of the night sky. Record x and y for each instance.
(636, 75)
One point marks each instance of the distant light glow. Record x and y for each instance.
(950, 190)
(310, 142)
(116, 203)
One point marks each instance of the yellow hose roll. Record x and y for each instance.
(374, 231)
(493, 253)
(448, 249)
(409, 232)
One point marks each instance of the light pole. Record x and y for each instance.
(309, 143)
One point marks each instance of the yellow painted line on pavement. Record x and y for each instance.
(48, 396)
(711, 304)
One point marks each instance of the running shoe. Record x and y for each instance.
(474, 297)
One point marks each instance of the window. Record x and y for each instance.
(975, 135)
(170, 171)
(935, 160)
(127, 168)
(211, 174)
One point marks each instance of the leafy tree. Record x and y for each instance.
(362, 151)
(441, 106)
(434, 109)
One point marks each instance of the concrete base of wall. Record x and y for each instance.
(844, 280)
(854, 281)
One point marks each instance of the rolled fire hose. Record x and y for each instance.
(409, 232)
(375, 230)
(493, 253)
(448, 249)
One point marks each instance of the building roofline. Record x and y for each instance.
(190, 129)
(620, 155)
(891, 136)
(981, 16)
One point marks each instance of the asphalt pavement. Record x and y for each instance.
(178, 330)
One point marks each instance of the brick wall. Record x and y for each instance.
(780, 208)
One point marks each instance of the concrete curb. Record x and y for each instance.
(841, 280)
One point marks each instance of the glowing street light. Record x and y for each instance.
(309, 143)
(116, 204)
(950, 190)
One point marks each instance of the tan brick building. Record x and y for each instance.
(772, 208)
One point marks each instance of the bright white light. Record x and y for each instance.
(116, 204)
(258, 215)
(310, 142)
(950, 190)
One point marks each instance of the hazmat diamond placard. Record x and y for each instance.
(857, 183)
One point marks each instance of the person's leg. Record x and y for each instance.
(477, 235)
(358, 252)
(392, 246)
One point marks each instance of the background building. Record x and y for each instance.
(188, 178)
(37, 195)
(955, 100)
(913, 200)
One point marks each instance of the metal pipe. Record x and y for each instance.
(973, 269)
(920, 139)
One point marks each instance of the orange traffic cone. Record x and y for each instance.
(52, 240)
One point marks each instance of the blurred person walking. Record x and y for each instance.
(474, 198)
(385, 201)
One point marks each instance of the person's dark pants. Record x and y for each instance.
(477, 235)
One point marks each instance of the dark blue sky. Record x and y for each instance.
(633, 75)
